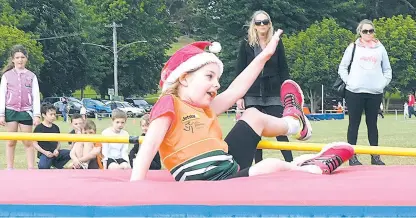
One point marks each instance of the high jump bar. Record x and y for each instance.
(264, 144)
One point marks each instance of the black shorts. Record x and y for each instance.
(24, 122)
(118, 161)
(242, 143)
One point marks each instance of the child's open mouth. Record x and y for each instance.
(212, 94)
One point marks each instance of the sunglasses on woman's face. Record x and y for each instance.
(264, 22)
(371, 31)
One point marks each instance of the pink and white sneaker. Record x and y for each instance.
(292, 99)
(329, 159)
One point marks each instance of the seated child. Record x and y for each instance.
(115, 155)
(155, 165)
(49, 153)
(87, 155)
(77, 123)
(184, 124)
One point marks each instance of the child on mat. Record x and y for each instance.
(155, 165)
(185, 128)
(115, 155)
(49, 153)
(87, 155)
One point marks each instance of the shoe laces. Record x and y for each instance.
(290, 101)
(332, 162)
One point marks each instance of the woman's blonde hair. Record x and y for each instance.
(361, 24)
(253, 38)
(14, 50)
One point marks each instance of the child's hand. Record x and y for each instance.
(78, 130)
(56, 153)
(36, 121)
(272, 45)
(3, 121)
(49, 154)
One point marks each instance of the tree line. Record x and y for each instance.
(316, 34)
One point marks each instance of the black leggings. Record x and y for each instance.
(242, 142)
(276, 111)
(357, 103)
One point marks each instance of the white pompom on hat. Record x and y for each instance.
(189, 58)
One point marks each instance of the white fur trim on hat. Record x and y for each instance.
(191, 64)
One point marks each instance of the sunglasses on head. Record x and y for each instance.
(264, 22)
(371, 31)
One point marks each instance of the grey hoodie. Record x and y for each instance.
(370, 70)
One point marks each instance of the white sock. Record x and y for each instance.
(293, 125)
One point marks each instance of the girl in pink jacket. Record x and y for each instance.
(19, 102)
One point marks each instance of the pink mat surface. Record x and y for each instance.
(359, 186)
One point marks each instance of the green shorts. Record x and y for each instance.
(22, 117)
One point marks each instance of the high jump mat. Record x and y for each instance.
(371, 191)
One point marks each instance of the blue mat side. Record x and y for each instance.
(326, 116)
(204, 211)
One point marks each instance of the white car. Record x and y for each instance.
(130, 110)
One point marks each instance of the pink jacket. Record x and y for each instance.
(19, 91)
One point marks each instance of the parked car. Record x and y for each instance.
(96, 105)
(74, 107)
(130, 110)
(139, 102)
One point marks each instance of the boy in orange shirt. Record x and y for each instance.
(87, 155)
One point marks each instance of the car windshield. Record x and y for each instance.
(140, 102)
(76, 104)
(99, 103)
(125, 104)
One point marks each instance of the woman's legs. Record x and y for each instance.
(355, 103)
(11, 144)
(30, 151)
(371, 109)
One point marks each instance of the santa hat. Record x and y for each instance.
(189, 58)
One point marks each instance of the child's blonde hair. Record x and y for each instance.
(146, 119)
(90, 125)
(173, 89)
(118, 114)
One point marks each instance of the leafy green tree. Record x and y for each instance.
(56, 23)
(11, 36)
(398, 35)
(314, 56)
(139, 64)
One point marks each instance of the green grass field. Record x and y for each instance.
(392, 132)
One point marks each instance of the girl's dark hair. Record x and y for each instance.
(14, 50)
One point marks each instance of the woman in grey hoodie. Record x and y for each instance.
(370, 72)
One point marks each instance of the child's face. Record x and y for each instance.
(77, 123)
(118, 124)
(144, 125)
(201, 86)
(19, 60)
(89, 131)
(50, 116)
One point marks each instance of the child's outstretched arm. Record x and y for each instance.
(245, 79)
(154, 137)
